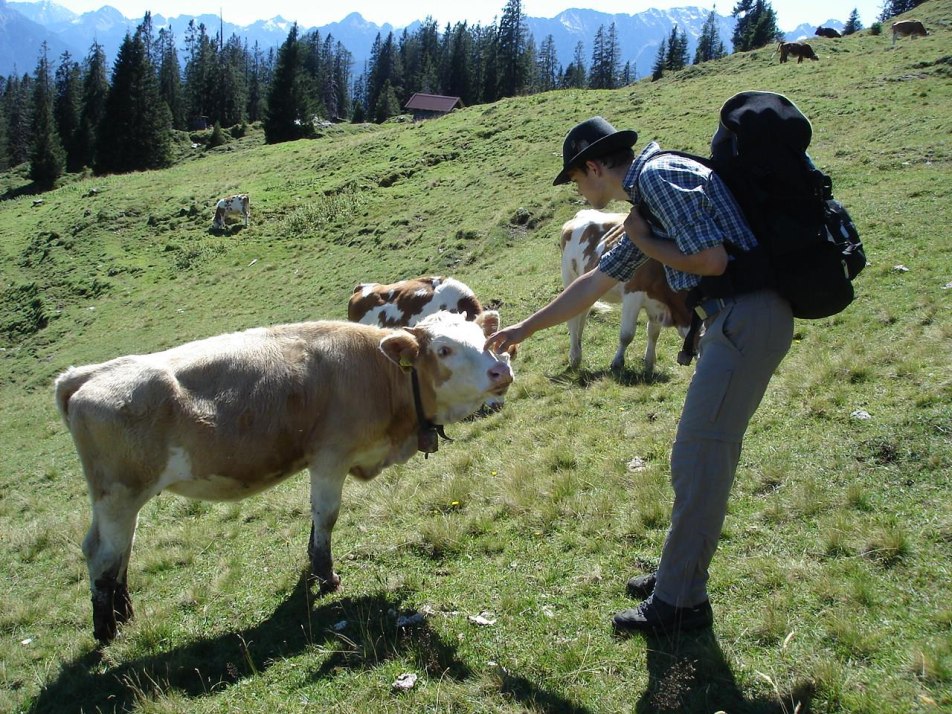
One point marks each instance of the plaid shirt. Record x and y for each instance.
(692, 207)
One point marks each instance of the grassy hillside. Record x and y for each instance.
(831, 586)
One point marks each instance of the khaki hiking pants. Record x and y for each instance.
(743, 344)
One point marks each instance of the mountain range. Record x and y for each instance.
(24, 26)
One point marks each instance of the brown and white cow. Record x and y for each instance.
(405, 303)
(584, 239)
(908, 28)
(829, 32)
(232, 206)
(227, 417)
(800, 50)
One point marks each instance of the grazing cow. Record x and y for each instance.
(827, 32)
(584, 239)
(800, 50)
(236, 205)
(406, 302)
(224, 418)
(908, 28)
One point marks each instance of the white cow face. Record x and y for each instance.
(456, 370)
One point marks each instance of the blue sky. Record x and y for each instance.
(790, 13)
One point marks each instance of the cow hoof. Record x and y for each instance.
(104, 618)
(122, 604)
(327, 584)
(104, 629)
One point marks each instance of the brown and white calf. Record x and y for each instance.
(584, 239)
(232, 206)
(908, 28)
(227, 417)
(800, 50)
(406, 302)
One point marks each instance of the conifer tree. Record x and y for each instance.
(18, 105)
(135, 133)
(170, 77)
(458, 73)
(661, 59)
(512, 58)
(387, 103)
(676, 57)
(47, 158)
(547, 66)
(756, 25)
(4, 158)
(290, 108)
(93, 105)
(68, 84)
(605, 59)
(575, 73)
(852, 24)
(709, 44)
(258, 81)
(200, 63)
(891, 8)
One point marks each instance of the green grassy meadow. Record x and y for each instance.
(832, 586)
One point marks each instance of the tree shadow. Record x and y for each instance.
(689, 673)
(356, 633)
(29, 189)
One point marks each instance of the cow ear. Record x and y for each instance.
(489, 321)
(401, 348)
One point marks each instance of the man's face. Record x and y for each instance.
(591, 184)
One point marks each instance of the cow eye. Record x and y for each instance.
(444, 351)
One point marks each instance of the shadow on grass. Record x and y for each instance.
(204, 667)
(626, 377)
(29, 189)
(690, 674)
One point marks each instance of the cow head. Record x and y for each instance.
(457, 373)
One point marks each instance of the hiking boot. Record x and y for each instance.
(641, 586)
(656, 616)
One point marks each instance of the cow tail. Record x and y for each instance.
(67, 384)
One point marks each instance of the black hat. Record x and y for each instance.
(591, 139)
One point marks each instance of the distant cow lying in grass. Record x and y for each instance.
(227, 417)
(800, 50)
(908, 28)
(584, 239)
(827, 32)
(233, 206)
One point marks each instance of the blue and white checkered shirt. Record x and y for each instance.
(692, 207)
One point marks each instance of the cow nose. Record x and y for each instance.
(500, 373)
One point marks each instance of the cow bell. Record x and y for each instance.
(428, 441)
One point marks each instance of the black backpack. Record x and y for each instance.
(809, 249)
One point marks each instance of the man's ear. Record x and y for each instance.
(401, 348)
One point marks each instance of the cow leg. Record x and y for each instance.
(576, 327)
(326, 487)
(631, 304)
(653, 331)
(107, 548)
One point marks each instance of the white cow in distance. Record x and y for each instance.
(232, 206)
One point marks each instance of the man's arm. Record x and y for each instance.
(710, 261)
(579, 296)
